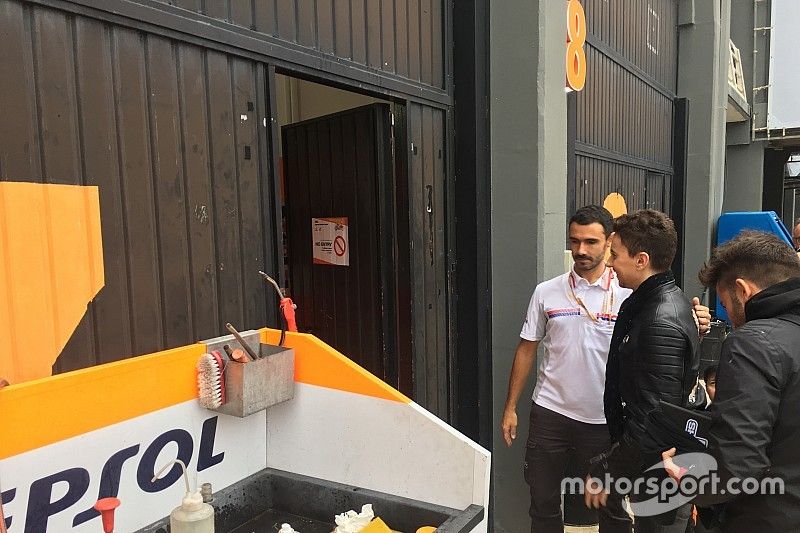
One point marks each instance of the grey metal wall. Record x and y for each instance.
(624, 128)
(402, 37)
(169, 133)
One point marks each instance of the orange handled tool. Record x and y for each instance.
(286, 306)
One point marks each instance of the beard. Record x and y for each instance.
(736, 313)
(589, 263)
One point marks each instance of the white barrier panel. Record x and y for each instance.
(345, 425)
(54, 488)
(105, 431)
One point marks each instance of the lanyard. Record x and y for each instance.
(608, 299)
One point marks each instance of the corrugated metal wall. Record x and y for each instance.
(642, 189)
(624, 127)
(170, 134)
(622, 114)
(427, 194)
(642, 31)
(403, 37)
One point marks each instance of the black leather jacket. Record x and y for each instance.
(654, 356)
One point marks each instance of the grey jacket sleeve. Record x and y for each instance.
(744, 411)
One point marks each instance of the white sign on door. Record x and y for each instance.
(329, 241)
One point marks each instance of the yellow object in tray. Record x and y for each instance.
(377, 526)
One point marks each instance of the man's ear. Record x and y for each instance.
(745, 289)
(608, 241)
(642, 260)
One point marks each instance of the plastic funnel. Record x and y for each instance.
(106, 506)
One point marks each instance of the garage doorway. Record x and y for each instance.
(345, 210)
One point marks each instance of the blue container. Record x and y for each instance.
(731, 224)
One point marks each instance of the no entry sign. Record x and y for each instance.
(329, 241)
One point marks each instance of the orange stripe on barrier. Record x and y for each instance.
(316, 363)
(48, 410)
(53, 409)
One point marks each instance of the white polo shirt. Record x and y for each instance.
(574, 320)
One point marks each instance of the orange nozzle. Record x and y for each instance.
(106, 506)
(287, 306)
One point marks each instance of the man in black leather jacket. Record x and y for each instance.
(654, 352)
(755, 427)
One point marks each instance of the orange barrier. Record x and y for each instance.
(52, 409)
(316, 363)
(49, 410)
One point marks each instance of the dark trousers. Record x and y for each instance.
(629, 462)
(551, 438)
(654, 524)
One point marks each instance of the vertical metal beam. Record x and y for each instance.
(678, 201)
(572, 137)
(528, 193)
(470, 216)
(703, 79)
(268, 134)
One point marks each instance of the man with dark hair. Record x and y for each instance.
(654, 353)
(573, 317)
(756, 423)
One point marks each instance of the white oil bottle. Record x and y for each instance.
(192, 515)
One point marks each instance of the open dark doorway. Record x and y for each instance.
(345, 211)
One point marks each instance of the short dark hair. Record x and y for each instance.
(591, 214)
(760, 257)
(710, 371)
(796, 222)
(651, 232)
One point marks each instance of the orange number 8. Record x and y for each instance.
(576, 37)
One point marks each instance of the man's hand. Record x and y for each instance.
(3, 383)
(524, 358)
(675, 472)
(702, 316)
(593, 494)
(509, 426)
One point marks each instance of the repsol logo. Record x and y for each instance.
(40, 497)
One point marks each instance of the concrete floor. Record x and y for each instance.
(581, 529)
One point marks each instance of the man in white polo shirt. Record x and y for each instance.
(573, 316)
